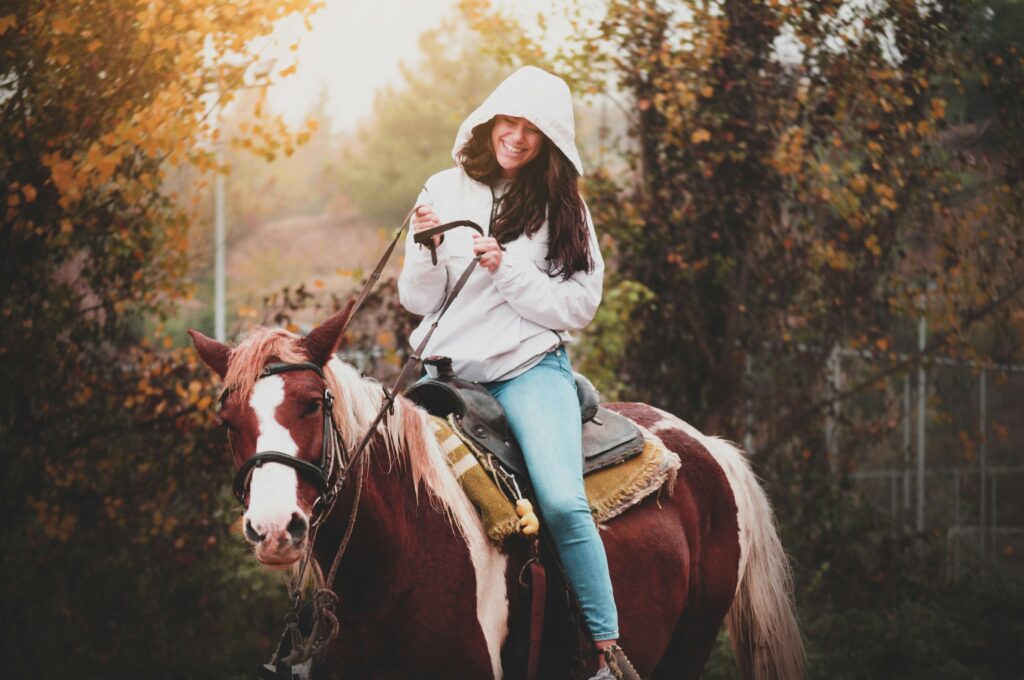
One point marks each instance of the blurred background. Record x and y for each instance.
(812, 215)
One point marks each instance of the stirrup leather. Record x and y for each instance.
(620, 666)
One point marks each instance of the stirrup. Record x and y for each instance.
(620, 666)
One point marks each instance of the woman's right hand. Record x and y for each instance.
(424, 218)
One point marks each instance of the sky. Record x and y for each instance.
(353, 49)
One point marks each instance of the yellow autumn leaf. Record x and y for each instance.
(7, 22)
(700, 136)
(63, 24)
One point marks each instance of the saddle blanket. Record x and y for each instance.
(611, 491)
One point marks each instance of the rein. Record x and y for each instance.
(334, 457)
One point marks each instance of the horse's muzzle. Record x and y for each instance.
(275, 545)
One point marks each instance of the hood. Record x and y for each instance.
(537, 96)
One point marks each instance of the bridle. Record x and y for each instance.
(333, 455)
(336, 462)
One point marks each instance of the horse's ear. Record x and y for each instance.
(323, 340)
(214, 354)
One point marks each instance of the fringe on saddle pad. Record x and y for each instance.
(611, 491)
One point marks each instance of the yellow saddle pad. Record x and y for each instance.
(611, 491)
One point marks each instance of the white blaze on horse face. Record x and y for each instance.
(273, 488)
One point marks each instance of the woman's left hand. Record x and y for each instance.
(489, 251)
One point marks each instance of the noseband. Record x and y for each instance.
(332, 451)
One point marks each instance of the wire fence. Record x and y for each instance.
(950, 459)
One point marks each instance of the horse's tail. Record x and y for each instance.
(762, 622)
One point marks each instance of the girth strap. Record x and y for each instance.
(538, 585)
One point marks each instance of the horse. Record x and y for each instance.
(423, 593)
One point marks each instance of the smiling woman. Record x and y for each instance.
(516, 141)
(540, 277)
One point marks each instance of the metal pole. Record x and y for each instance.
(219, 330)
(906, 441)
(894, 494)
(831, 418)
(995, 494)
(922, 334)
(982, 456)
(219, 276)
(956, 496)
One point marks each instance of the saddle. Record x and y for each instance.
(608, 438)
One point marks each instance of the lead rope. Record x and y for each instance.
(326, 626)
(325, 621)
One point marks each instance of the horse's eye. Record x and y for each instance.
(311, 407)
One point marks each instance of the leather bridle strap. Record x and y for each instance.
(323, 608)
(426, 237)
(375, 275)
(332, 449)
(312, 472)
(389, 395)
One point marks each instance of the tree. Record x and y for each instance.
(804, 179)
(793, 194)
(111, 481)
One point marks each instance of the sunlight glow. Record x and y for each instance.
(353, 49)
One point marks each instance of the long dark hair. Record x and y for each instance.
(545, 188)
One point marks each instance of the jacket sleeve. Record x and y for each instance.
(422, 284)
(554, 303)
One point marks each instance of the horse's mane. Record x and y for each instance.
(408, 441)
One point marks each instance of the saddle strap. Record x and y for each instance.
(538, 584)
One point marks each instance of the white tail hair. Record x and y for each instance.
(762, 624)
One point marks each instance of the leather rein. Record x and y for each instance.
(335, 462)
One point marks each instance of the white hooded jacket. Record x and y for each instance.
(500, 324)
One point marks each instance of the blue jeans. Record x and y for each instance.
(543, 412)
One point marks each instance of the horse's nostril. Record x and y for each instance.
(251, 534)
(297, 527)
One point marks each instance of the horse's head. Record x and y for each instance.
(277, 414)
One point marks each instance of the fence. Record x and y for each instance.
(951, 462)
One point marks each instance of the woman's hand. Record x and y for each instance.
(488, 250)
(424, 218)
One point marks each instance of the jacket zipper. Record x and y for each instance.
(494, 210)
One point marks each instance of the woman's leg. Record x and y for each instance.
(544, 414)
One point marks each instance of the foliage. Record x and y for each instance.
(876, 600)
(413, 128)
(377, 341)
(112, 478)
(802, 179)
(796, 190)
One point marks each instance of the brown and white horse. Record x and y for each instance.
(424, 594)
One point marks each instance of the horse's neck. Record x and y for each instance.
(393, 529)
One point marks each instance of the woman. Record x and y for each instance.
(540, 276)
